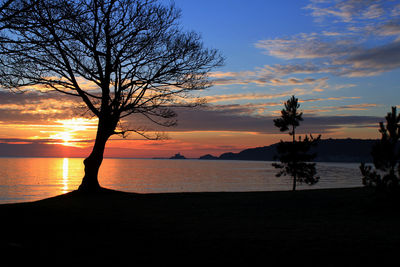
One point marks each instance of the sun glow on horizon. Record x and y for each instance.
(72, 129)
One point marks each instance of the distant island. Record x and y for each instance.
(328, 150)
(178, 156)
(208, 156)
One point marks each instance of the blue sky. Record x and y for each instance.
(338, 48)
(234, 27)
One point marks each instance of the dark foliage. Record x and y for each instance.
(386, 156)
(295, 156)
(289, 116)
(296, 160)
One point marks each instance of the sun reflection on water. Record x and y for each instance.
(29, 179)
(65, 175)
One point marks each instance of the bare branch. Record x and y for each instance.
(132, 51)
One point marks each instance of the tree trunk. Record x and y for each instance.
(92, 163)
(294, 182)
(294, 173)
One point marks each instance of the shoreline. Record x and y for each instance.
(310, 188)
(308, 226)
(167, 158)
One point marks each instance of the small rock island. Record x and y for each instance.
(178, 156)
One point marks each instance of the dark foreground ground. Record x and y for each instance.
(336, 227)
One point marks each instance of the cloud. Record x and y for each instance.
(37, 141)
(258, 117)
(295, 81)
(220, 74)
(347, 10)
(366, 42)
(245, 109)
(354, 107)
(369, 62)
(390, 28)
(40, 150)
(263, 108)
(329, 99)
(37, 107)
(373, 12)
(227, 119)
(223, 114)
(307, 46)
(251, 96)
(251, 117)
(326, 33)
(395, 10)
(286, 69)
(274, 75)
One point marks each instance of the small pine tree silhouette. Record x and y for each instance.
(295, 159)
(386, 156)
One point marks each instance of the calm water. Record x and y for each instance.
(27, 179)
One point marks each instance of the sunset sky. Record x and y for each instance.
(340, 58)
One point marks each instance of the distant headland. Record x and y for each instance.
(328, 150)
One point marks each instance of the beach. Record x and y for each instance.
(332, 227)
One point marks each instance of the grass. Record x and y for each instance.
(332, 227)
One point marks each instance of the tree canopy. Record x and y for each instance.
(290, 117)
(295, 158)
(386, 156)
(119, 57)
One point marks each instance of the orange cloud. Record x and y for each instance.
(251, 96)
(356, 107)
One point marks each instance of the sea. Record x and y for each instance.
(31, 179)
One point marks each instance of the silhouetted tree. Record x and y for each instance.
(386, 156)
(294, 156)
(9, 9)
(132, 53)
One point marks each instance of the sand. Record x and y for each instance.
(333, 227)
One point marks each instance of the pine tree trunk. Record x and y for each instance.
(294, 174)
(92, 163)
(294, 182)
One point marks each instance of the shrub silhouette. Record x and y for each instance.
(386, 156)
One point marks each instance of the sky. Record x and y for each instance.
(341, 59)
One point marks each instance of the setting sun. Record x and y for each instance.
(78, 124)
(65, 137)
(152, 132)
(73, 131)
